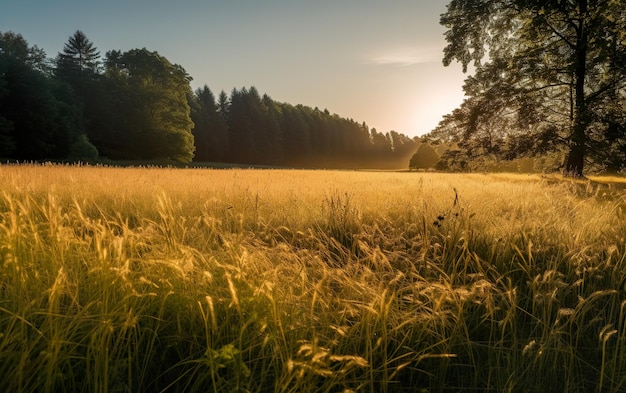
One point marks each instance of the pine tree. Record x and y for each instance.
(223, 104)
(79, 59)
(210, 130)
(78, 65)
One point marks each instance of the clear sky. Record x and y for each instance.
(370, 60)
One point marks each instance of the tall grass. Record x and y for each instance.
(155, 280)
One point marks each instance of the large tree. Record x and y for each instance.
(79, 66)
(150, 117)
(549, 75)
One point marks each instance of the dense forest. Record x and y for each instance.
(136, 105)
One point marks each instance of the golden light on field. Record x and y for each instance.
(285, 280)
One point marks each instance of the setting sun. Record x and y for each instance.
(370, 62)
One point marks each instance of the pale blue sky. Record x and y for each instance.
(372, 61)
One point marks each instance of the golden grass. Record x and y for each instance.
(151, 279)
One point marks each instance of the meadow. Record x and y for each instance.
(236, 280)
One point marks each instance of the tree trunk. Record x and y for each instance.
(575, 161)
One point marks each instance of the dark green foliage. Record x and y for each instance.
(14, 46)
(136, 105)
(7, 143)
(82, 149)
(210, 130)
(296, 134)
(425, 157)
(79, 66)
(38, 119)
(253, 130)
(152, 115)
(79, 61)
(261, 131)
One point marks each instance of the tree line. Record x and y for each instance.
(252, 129)
(136, 105)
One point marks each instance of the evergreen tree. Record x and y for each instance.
(78, 65)
(223, 104)
(210, 130)
(242, 147)
(270, 132)
(253, 129)
(79, 60)
(296, 136)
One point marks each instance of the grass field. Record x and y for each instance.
(150, 280)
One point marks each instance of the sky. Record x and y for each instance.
(374, 61)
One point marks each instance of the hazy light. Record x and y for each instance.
(374, 62)
(407, 57)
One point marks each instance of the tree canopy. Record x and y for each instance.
(38, 114)
(425, 157)
(549, 76)
(151, 105)
(210, 130)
